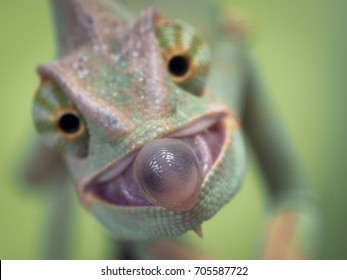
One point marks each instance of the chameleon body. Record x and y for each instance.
(121, 83)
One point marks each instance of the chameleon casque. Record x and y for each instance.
(147, 115)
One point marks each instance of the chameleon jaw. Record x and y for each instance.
(116, 187)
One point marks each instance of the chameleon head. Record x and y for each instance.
(152, 153)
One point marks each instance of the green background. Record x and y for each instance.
(300, 47)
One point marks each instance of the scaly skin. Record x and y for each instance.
(112, 74)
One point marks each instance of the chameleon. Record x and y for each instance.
(149, 114)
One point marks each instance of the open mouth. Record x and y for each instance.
(118, 186)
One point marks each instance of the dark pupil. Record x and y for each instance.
(178, 65)
(69, 123)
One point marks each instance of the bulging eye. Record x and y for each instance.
(178, 65)
(69, 122)
(57, 120)
(186, 55)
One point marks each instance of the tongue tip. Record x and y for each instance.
(169, 174)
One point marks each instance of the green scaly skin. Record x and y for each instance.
(112, 73)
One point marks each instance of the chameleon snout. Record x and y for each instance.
(168, 172)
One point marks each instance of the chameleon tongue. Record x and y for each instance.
(169, 174)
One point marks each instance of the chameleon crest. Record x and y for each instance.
(151, 151)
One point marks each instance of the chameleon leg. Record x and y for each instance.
(122, 250)
(161, 249)
(280, 240)
(176, 250)
(293, 231)
(45, 169)
(58, 222)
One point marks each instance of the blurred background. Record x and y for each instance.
(300, 47)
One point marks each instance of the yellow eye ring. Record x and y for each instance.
(69, 124)
(179, 66)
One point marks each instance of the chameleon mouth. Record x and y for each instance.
(117, 186)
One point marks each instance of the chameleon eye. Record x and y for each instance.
(57, 120)
(186, 55)
(69, 123)
(178, 65)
